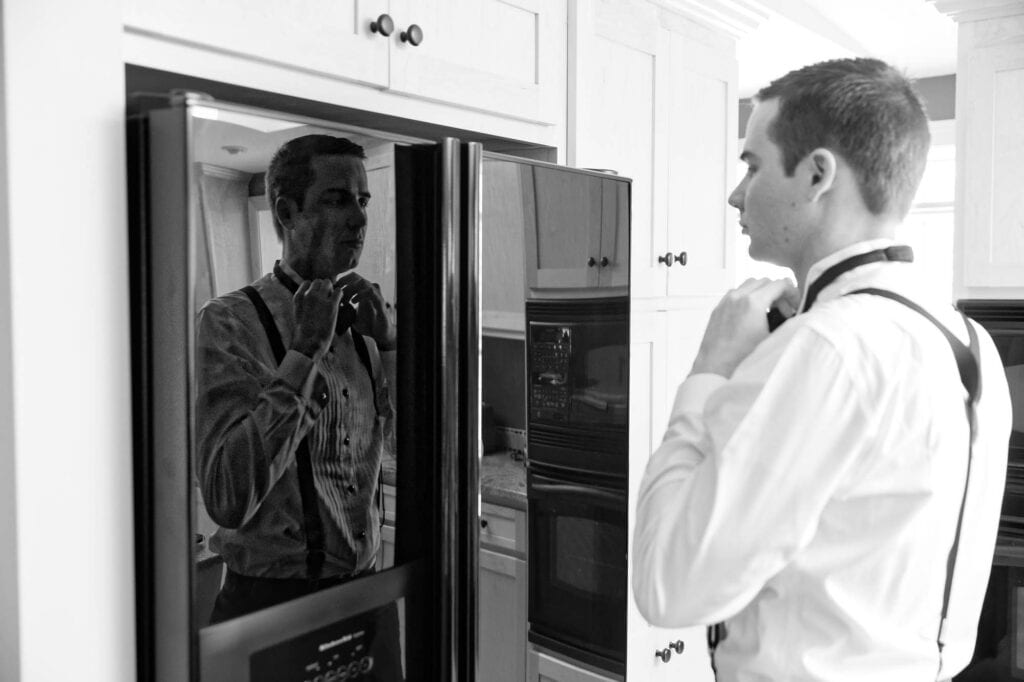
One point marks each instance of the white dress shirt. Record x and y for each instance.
(810, 500)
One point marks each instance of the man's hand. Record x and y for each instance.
(739, 323)
(316, 312)
(373, 314)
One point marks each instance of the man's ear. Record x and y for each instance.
(284, 210)
(820, 169)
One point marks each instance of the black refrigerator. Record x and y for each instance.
(200, 226)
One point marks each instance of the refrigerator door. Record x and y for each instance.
(201, 228)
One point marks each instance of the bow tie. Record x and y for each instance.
(346, 312)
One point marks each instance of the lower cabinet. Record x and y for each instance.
(544, 667)
(386, 553)
(502, 595)
(674, 655)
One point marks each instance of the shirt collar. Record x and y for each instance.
(299, 279)
(835, 257)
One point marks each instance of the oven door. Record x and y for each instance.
(578, 584)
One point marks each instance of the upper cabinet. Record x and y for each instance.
(504, 57)
(653, 96)
(990, 141)
(329, 37)
(577, 231)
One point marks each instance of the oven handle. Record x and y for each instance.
(604, 494)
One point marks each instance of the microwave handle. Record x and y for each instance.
(603, 494)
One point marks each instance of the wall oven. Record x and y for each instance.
(578, 586)
(577, 432)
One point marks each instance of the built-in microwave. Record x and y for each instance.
(577, 364)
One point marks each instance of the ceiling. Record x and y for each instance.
(910, 34)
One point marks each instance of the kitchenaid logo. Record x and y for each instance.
(341, 640)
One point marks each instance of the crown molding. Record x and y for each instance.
(976, 10)
(736, 18)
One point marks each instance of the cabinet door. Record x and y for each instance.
(330, 37)
(502, 285)
(701, 228)
(662, 347)
(990, 203)
(617, 122)
(563, 228)
(501, 626)
(686, 659)
(504, 56)
(613, 265)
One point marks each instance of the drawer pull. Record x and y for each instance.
(413, 35)
(483, 523)
(667, 259)
(664, 654)
(678, 646)
(384, 25)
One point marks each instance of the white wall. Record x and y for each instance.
(66, 572)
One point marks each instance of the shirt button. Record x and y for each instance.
(362, 534)
(346, 441)
(322, 398)
(351, 488)
(344, 392)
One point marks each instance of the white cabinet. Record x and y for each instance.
(674, 655)
(662, 347)
(501, 591)
(653, 96)
(990, 141)
(502, 595)
(569, 249)
(386, 553)
(545, 667)
(330, 37)
(501, 56)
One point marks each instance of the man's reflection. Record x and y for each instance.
(291, 430)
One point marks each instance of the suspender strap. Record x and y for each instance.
(311, 521)
(968, 362)
(897, 252)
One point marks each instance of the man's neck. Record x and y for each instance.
(838, 237)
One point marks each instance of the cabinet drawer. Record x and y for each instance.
(389, 504)
(503, 529)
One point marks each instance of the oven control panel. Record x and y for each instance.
(550, 359)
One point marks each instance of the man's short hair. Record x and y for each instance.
(291, 172)
(865, 111)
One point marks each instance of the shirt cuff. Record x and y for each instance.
(695, 391)
(298, 371)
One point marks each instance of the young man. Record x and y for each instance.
(813, 480)
(291, 439)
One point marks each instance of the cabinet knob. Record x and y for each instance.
(604, 261)
(591, 262)
(677, 646)
(663, 654)
(667, 259)
(483, 523)
(412, 35)
(384, 25)
(681, 257)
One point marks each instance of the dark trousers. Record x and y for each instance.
(242, 594)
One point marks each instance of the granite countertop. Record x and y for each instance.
(502, 478)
